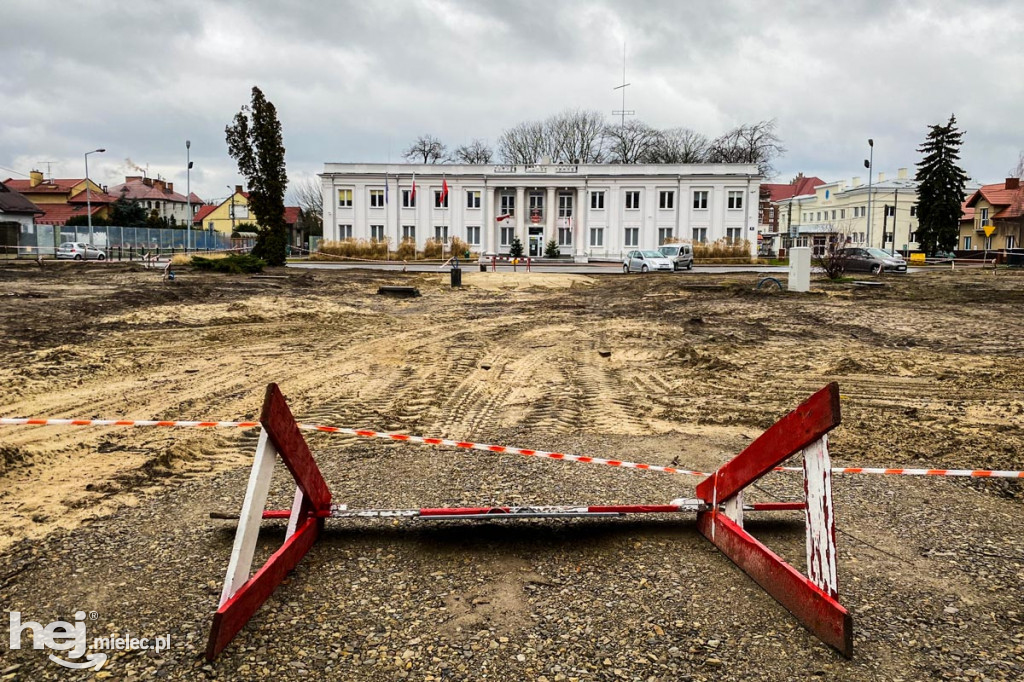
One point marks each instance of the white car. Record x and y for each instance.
(647, 261)
(80, 251)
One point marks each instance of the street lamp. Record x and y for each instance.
(188, 193)
(88, 197)
(232, 208)
(870, 165)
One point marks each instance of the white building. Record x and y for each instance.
(597, 211)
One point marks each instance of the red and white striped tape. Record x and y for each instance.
(500, 449)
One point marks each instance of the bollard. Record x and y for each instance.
(456, 277)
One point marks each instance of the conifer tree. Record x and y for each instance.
(940, 191)
(255, 142)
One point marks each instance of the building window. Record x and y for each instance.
(211, 225)
(408, 199)
(344, 198)
(408, 233)
(700, 235)
(437, 199)
(1010, 242)
(472, 199)
(376, 198)
(967, 243)
(344, 232)
(473, 235)
(700, 199)
(632, 200)
(833, 214)
(508, 204)
(441, 233)
(597, 200)
(819, 217)
(632, 237)
(664, 235)
(507, 234)
(736, 199)
(666, 199)
(565, 236)
(564, 205)
(536, 201)
(913, 236)
(842, 214)
(733, 234)
(913, 210)
(597, 236)
(890, 211)
(377, 233)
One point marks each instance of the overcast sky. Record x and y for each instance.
(358, 81)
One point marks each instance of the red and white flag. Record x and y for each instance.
(444, 190)
(412, 195)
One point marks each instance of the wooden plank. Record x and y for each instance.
(232, 616)
(818, 415)
(821, 519)
(814, 608)
(297, 514)
(278, 421)
(248, 530)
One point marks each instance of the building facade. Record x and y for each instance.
(883, 215)
(158, 198)
(994, 217)
(591, 211)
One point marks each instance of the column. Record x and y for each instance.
(580, 225)
(487, 224)
(549, 214)
(520, 214)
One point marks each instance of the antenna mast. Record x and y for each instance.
(623, 112)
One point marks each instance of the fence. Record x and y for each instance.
(35, 240)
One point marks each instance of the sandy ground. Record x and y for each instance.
(646, 368)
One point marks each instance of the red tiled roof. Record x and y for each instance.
(195, 199)
(1010, 202)
(58, 214)
(292, 214)
(136, 188)
(55, 186)
(92, 197)
(802, 186)
(203, 212)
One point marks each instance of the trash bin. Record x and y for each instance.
(483, 267)
(456, 277)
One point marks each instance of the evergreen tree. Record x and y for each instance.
(127, 213)
(255, 142)
(515, 249)
(940, 191)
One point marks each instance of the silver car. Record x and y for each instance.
(646, 261)
(79, 251)
(681, 255)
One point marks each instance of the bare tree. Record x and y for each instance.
(835, 258)
(632, 142)
(1018, 170)
(679, 145)
(576, 136)
(476, 153)
(427, 148)
(525, 143)
(308, 195)
(749, 143)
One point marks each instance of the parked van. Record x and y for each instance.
(681, 255)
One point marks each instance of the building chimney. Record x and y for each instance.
(132, 178)
(148, 182)
(170, 186)
(1012, 183)
(855, 181)
(35, 178)
(901, 174)
(881, 177)
(238, 189)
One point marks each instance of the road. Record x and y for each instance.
(575, 269)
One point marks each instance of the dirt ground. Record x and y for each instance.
(645, 368)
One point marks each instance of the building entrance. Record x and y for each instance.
(536, 247)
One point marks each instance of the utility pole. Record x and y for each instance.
(88, 198)
(870, 165)
(623, 112)
(188, 193)
(232, 208)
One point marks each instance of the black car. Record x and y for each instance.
(859, 259)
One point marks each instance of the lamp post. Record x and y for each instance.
(232, 208)
(870, 165)
(88, 197)
(188, 194)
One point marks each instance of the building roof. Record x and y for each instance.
(194, 198)
(1010, 202)
(84, 197)
(203, 212)
(12, 201)
(58, 214)
(292, 215)
(52, 186)
(138, 187)
(799, 187)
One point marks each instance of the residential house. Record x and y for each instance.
(882, 215)
(62, 199)
(17, 215)
(226, 216)
(996, 219)
(158, 197)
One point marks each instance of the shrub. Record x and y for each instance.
(551, 250)
(432, 249)
(722, 250)
(356, 248)
(460, 248)
(407, 250)
(235, 264)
